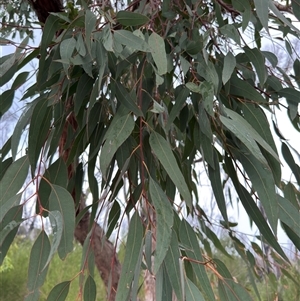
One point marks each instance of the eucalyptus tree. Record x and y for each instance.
(134, 98)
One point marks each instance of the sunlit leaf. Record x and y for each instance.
(158, 51)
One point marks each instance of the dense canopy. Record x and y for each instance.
(126, 108)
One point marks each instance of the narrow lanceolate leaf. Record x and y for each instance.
(263, 182)
(173, 268)
(13, 179)
(90, 22)
(229, 65)
(215, 179)
(37, 271)
(289, 214)
(8, 229)
(262, 12)
(257, 59)
(247, 134)
(164, 222)
(127, 18)
(57, 230)
(229, 290)
(191, 292)
(59, 292)
(258, 120)
(244, 90)
(119, 131)
(253, 210)
(163, 151)
(134, 246)
(158, 51)
(189, 240)
(61, 200)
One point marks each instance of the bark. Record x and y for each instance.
(104, 252)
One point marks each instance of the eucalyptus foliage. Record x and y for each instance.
(158, 90)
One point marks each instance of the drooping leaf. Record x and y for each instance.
(164, 222)
(262, 12)
(61, 200)
(263, 182)
(119, 131)
(189, 239)
(192, 292)
(158, 51)
(173, 267)
(37, 271)
(9, 225)
(133, 249)
(228, 68)
(163, 151)
(13, 179)
(215, 180)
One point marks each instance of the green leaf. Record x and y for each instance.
(262, 11)
(113, 218)
(296, 8)
(258, 120)
(180, 100)
(244, 90)
(290, 94)
(134, 247)
(164, 222)
(288, 157)
(163, 152)
(20, 80)
(215, 180)
(289, 214)
(257, 59)
(231, 32)
(59, 291)
(90, 22)
(38, 131)
(188, 238)
(191, 292)
(8, 203)
(57, 231)
(253, 211)
(7, 98)
(130, 40)
(13, 179)
(158, 51)
(119, 131)
(228, 68)
(127, 99)
(61, 200)
(37, 271)
(247, 134)
(8, 229)
(173, 268)
(127, 18)
(263, 182)
(90, 289)
(232, 291)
